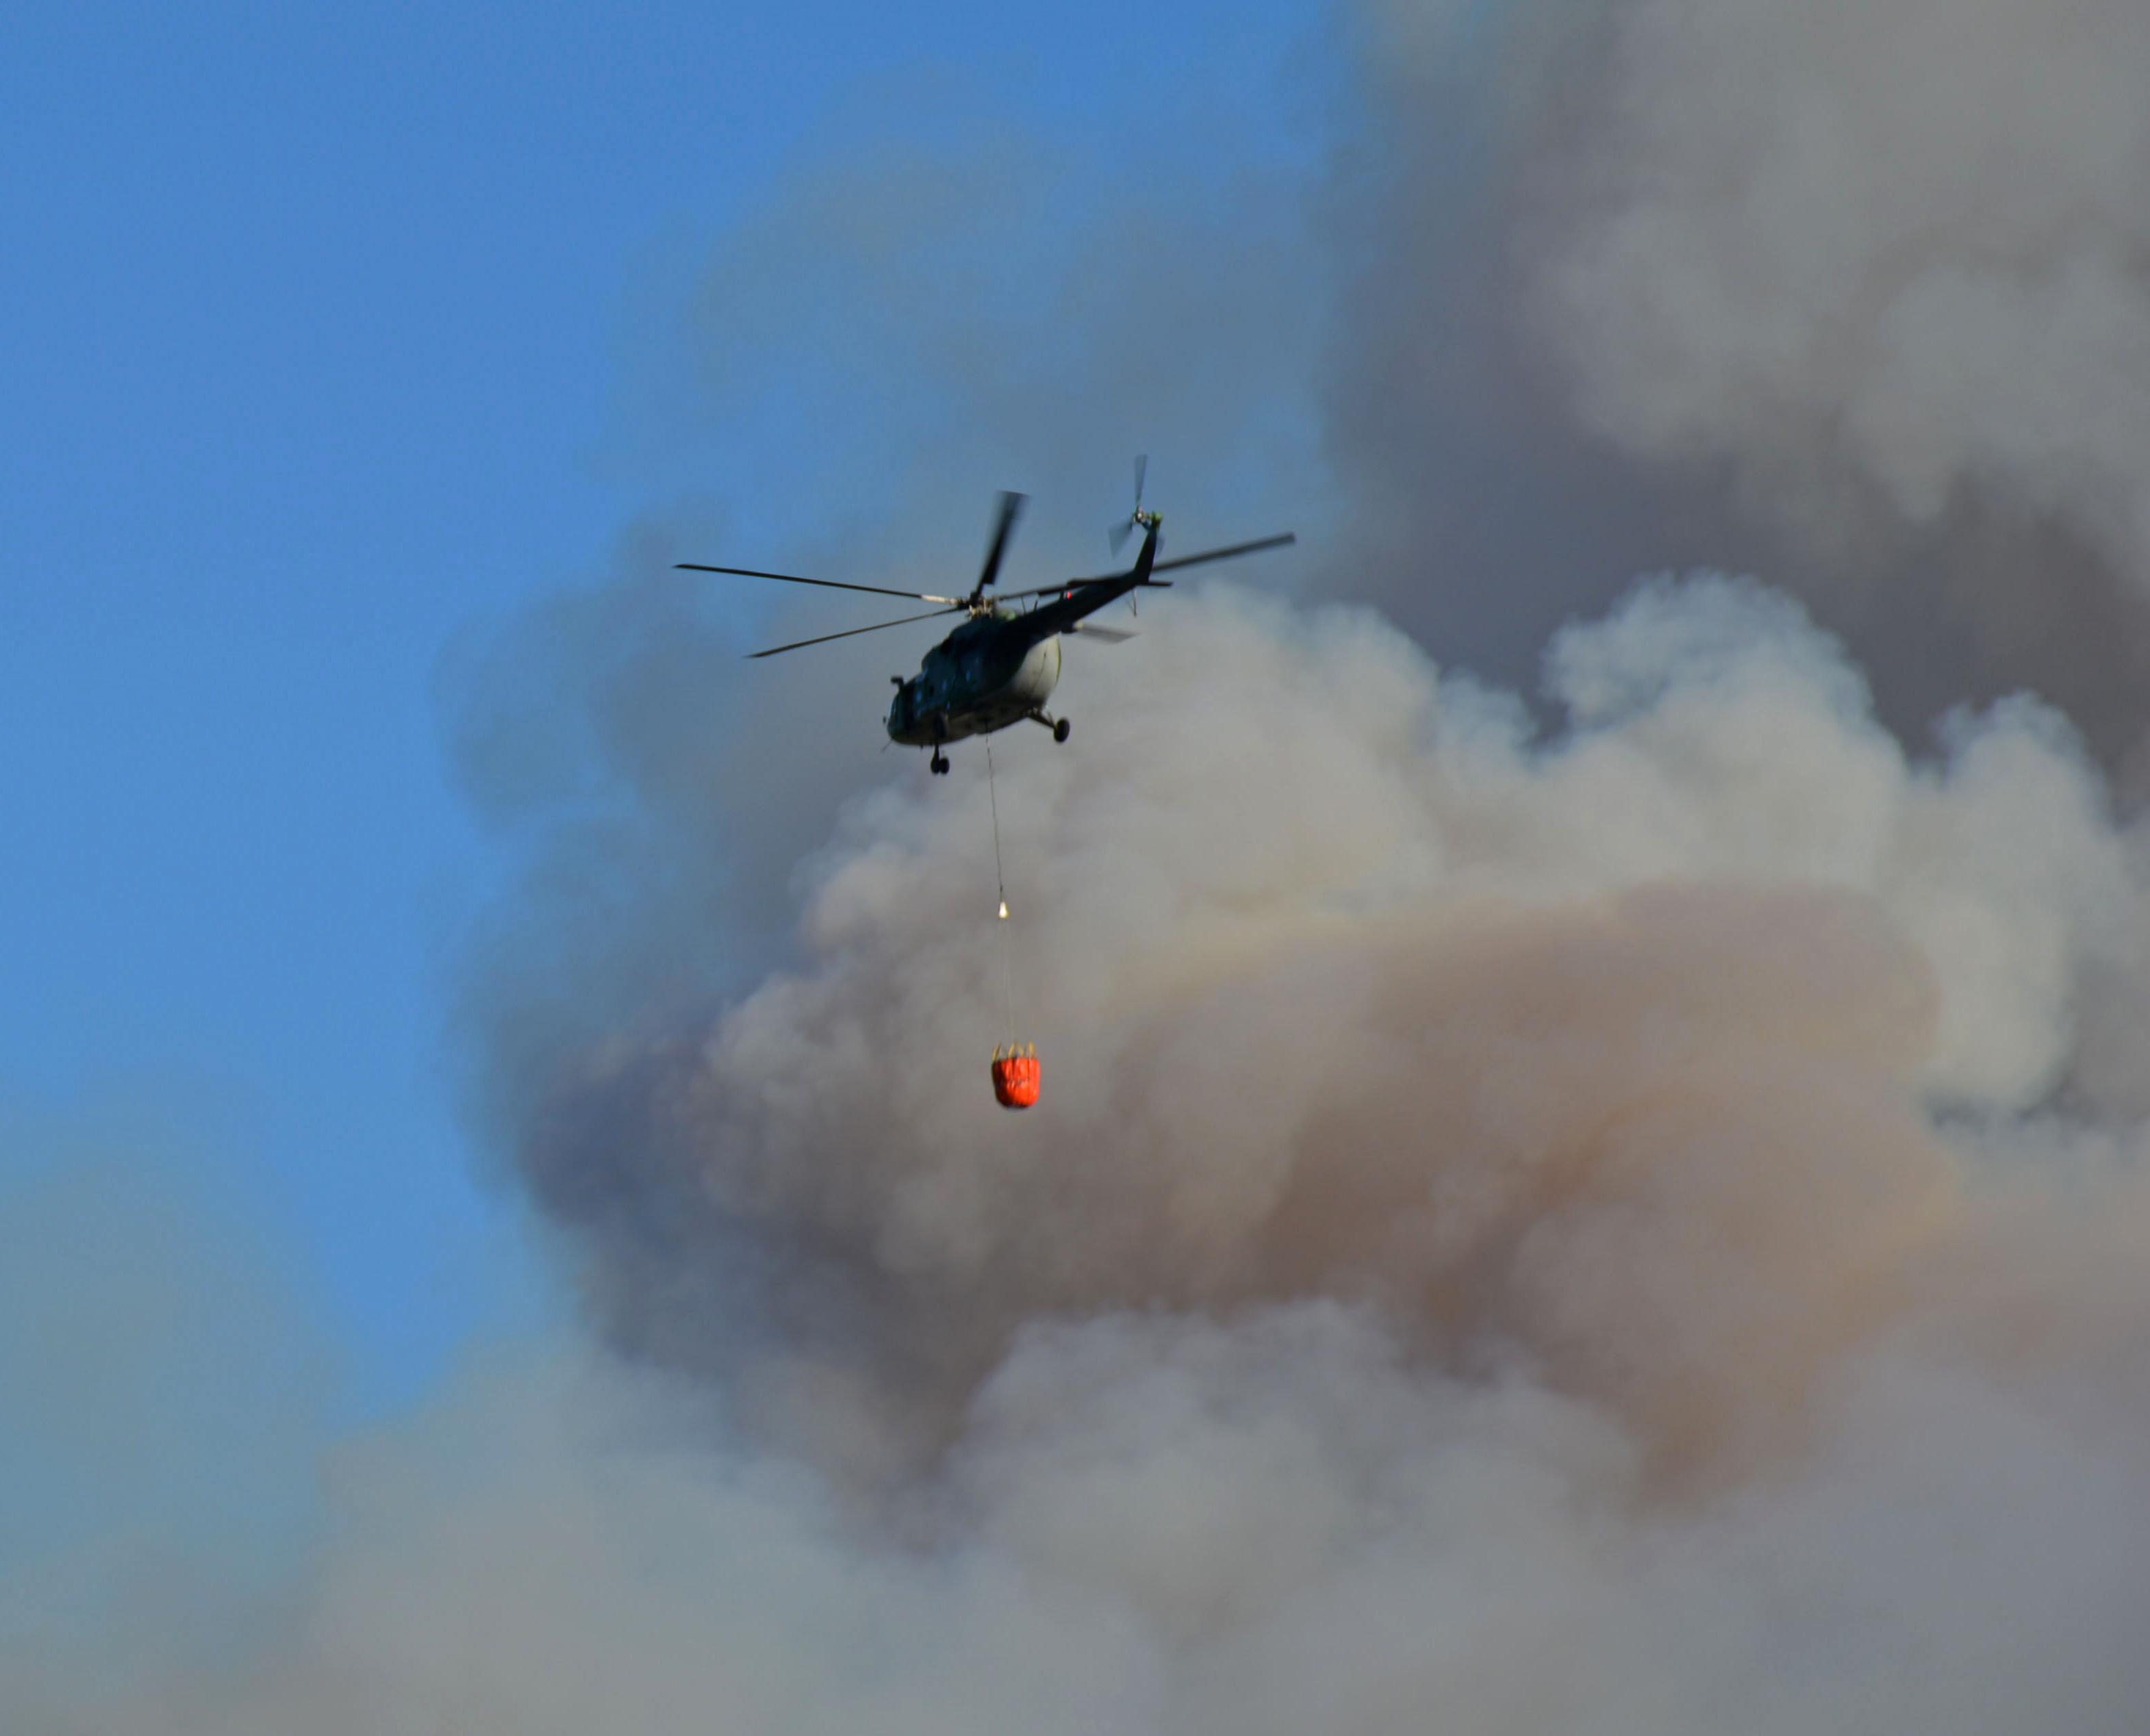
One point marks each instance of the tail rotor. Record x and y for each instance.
(1136, 520)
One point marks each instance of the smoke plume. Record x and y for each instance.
(1612, 1228)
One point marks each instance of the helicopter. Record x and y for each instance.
(1002, 664)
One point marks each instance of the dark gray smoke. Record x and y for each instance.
(1852, 295)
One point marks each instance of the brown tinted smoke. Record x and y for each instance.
(1607, 1055)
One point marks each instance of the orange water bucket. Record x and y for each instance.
(1015, 1075)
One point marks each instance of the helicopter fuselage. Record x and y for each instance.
(999, 669)
(992, 671)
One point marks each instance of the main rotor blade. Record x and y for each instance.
(1066, 585)
(793, 578)
(853, 633)
(1226, 554)
(1010, 510)
(1185, 560)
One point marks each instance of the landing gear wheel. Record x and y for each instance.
(939, 764)
(1060, 730)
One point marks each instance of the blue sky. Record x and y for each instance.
(329, 333)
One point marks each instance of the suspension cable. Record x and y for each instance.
(1000, 884)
